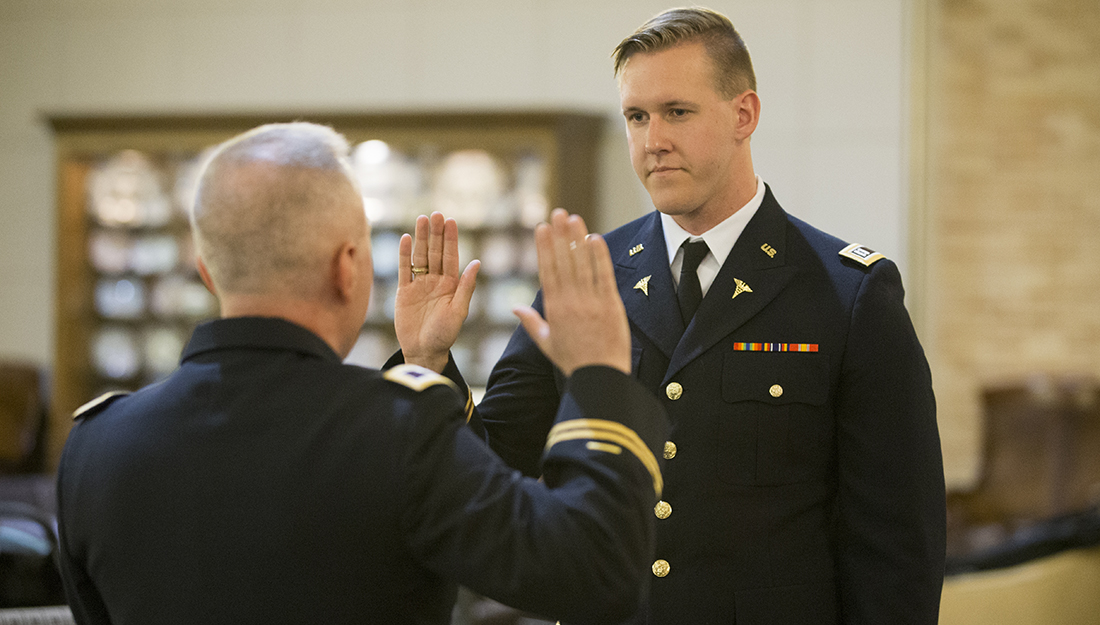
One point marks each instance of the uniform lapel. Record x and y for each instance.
(645, 284)
(754, 273)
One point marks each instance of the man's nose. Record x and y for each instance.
(656, 137)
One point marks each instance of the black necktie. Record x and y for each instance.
(690, 293)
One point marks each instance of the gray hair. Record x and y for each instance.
(733, 65)
(270, 204)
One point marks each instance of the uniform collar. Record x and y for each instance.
(256, 333)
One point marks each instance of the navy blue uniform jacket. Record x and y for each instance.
(800, 486)
(267, 482)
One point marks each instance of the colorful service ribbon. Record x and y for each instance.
(775, 347)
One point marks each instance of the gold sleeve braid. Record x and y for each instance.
(602, 431)
(469, 404)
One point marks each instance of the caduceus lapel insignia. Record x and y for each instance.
(643, 285)
(741, 288)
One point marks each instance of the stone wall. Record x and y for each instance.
(1011, 283)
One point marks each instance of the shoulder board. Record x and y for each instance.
(99, 403)
(862, 255)
(415, 377)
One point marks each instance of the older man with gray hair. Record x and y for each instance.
(267, 482)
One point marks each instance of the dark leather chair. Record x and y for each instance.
(1039, 490)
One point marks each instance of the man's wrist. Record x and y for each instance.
(436, 361)
(622, 367)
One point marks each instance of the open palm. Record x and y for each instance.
(431, 304)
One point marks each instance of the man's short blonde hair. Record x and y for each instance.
(270, 204)
(733, 65)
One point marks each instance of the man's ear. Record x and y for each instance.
(345, 271)
(204, 273)
(748, 114)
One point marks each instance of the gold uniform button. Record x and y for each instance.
(775, 390)
(674, 390)
(661, 568)
(670, 450)
(663, 510)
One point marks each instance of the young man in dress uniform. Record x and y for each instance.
(266, 482)
(803, 477)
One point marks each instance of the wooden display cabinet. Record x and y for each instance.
(127, 292)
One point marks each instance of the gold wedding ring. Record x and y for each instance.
(419, 271)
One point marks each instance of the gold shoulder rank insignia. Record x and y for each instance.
(643, 285)
(415, 377)
(862, 255)
(97, 404)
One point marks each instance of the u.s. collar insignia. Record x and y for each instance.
(862, 255)
(643, 285)
(741, 288)
(637, 248)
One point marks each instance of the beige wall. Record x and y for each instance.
(832, 80)
(1006, 244)
(1013, 203)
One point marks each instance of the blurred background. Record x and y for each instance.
(961, 138)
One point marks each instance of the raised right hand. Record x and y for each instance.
(431, 306)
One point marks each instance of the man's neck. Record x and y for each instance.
(742, 189)
(721, 237)
(309, 314)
